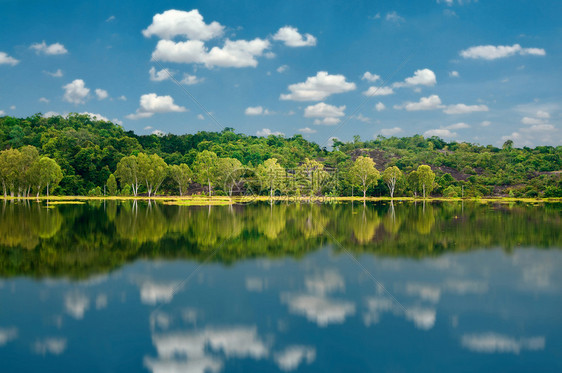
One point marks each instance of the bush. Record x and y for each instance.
(126, 190)
(452, 192)
(95, 192)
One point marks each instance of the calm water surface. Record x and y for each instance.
(123, 287)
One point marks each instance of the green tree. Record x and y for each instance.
(205, 166)
(271, 174)
(111, 185)
(363, 173)
(426, 179)
(413, 181)
(390, 176)
(152, 171)
(128, 173)
(311, 175)
(230, 172)
(182, 175)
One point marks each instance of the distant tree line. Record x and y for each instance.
(88, 152)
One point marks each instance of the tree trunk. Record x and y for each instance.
(47, 190)
(423, 191)
(210, 192)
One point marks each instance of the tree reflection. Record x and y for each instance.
(80, 240)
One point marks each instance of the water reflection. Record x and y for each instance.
(473, 282)
(82, 240)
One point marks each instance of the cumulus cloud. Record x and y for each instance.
(200, 117)
(152, 293)
(151, 104)
(424, 77)
(499, 343)
(5, 59)
(56, 74)
(76, 92)
(282, 68)
(378, 91)
(391, 131)
(457, 126)
(394, 17)
(440, 132)
(319, 309)
(454, 74)
(380, 106)
(370, 77)
(465, 109)
(290, 358)
(190, 79)
(292, 38)
(485, 123)
(53, 49)
(76, 305)
(122, 98)
(266, 132)
(172, 23)
(158, 76)
(322, 109)
(425, 103)
(101, 93)
(307, 130)
(317, 88)
(423, 318)
(256, 110)
(7, 335)
(95, 116)
(492, 52)
(52, 345)
(237, 53)
(43, 99)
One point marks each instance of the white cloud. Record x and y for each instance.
(426, 292)
(423, 318)
(370, 77)
(394, 17)
(498, 343)
(54, 346)
(190, 25)
(290, 358)
(158, 76)
(492, 52)
(147, 128)
(56, 74)
(323, 110)
(7, 335)
(282, 68)
(51, 114)
(531, 121)
(380, 106)
(440, 132)
(43, 99)
(158, 133)
(379, 91)
(292, 38)
(7, 60)
(360, 117)
(454, 74)
(110, 18)
(317, 88)
(238, 53)
(53, 49)
(101, 301)
(101, 93)
(426, 103)
(152, 293)
(151, 104)
(190, 79)
(543, 127)
(122, 98)
(307, 130)
(2, 112)
(391, 131)
(327, 121)
(465, 109)
(76, 305)
(269, 55)
(485, 123)
(457, 126)
(424, 77)
(76, 92)
(200, 117)
(256, 110)
(96, 116)
(318, 308)
(266, 132)
(543, 114)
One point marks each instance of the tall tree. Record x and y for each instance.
(390, 177)
(49, 174)
(230, 172)
(363, 173)
(153, 170)
(311, 174)
(128, 173)
(182, 175)
(413, 181)
(111, 185)
(271, 174)
(426, 179)
(205, 167)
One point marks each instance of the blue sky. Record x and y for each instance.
(478, 71)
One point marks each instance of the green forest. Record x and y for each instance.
(78, 155)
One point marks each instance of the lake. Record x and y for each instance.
(426, 287)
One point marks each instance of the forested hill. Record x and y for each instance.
(88, 151)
